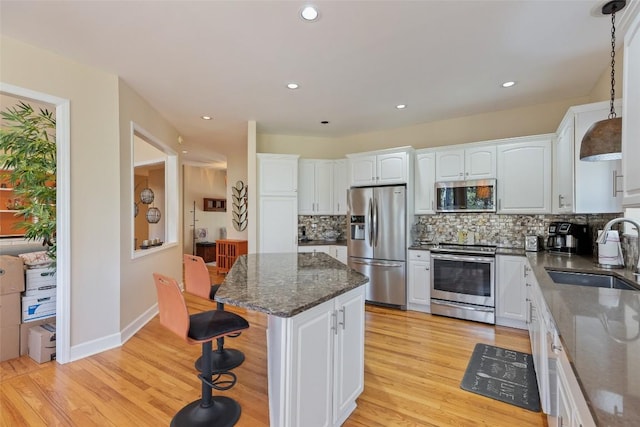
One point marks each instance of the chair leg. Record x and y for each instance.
(209, 410)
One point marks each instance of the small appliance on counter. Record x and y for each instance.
(533, 243)
(569, 238)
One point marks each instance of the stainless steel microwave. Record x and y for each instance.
(466, 196)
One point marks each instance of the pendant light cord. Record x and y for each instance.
(612, 111)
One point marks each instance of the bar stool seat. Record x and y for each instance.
(201, 328)
(197, 282)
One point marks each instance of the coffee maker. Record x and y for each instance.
(569, 238)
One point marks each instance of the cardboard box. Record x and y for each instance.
(40, 278)
(9, 310)
(38, 307)
(11, 275)
(47, 291)
(9, 342)
(42, 343)
(24, 332)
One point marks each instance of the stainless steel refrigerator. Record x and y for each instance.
(376, 240)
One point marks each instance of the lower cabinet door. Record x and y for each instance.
(349, 354)
(312, 367)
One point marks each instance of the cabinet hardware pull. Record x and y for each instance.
(615, 183)
(426, 268)
(344, 319)
(556, 347)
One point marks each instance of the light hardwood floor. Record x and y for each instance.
(414, 363)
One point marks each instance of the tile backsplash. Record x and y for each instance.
(494, 229)
(488, 228)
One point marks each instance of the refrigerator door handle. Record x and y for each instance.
(370, 221)
(375, 223)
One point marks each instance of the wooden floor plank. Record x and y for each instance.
(414, 363)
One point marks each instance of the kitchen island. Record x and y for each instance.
(315, 332)
(599, 330)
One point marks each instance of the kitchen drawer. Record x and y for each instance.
(419, 256)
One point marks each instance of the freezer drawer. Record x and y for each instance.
(387, 280)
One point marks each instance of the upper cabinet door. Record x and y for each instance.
(524, 177)
(480, 162)
(631, 107)
(563, 169)
(324, 187)
(450, 165)
(277, 174)
(596, 183)
(340, 186)
(392, 168)
(425, 174)
(306, 187)
(362, 170)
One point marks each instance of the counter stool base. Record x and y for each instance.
(223, 412)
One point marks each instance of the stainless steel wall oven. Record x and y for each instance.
(463, 282)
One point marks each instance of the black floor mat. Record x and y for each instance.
(504, 375)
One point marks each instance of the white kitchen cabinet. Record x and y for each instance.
(278, 224)
(277, 202)
(340, 187)
(466, 164)
(315, 249)
(536, 322)
(631, 107)
(318, 385)
(315, 187)
(573, 410)
(378, 168)
(277, 174)
(424, 180)
(336, 251)
(511, 293)
(419, 281)
(339, 253)
(524, 175)
(581, 186)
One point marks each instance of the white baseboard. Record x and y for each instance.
(114, 340)
(133, 327)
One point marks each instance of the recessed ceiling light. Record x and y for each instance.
(293, 86)
(508, 84)
(401, 106)
(309, 13)
(206, 117)
(184, 151)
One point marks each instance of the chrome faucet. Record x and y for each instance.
(607, 227)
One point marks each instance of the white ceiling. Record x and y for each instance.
(232, 59)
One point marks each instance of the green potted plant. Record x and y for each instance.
(28, 149)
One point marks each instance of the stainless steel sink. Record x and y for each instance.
(590, 279)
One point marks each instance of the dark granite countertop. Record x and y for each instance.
(600, 332)
(286, 284)
(322, 242)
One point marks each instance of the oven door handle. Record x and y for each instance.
(450, 257)
(463, 306)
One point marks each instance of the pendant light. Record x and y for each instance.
(603, 140)
(153, 215)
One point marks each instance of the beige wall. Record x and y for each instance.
(237, 171)
(200, 182)
(530, 120)
(95, 187)
(137, 291)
